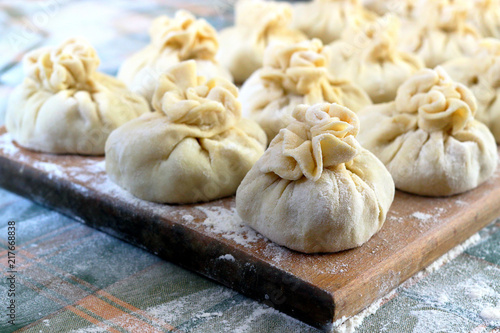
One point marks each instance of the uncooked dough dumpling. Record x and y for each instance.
(402, 8)
(428, 137)
(316, 189)
(485, 16)
(257, 25)
(64, 105)
(295, 74)
(327, 19)
(440, 32)
(481, 74)
(368, 55)
(173, 40)
(195, 147)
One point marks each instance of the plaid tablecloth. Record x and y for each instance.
(73, 278)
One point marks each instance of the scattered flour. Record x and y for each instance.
(479, 290)
(7, 146)
(349, 325)
(95, 329)
(229, 225)
(188, 218)
(227, 257)
(189, 306)
(461, 202)
(491, 315)
(422, 216)
(208, 314)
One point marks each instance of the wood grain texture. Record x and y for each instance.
(317, 289)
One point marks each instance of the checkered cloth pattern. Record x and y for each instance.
(71, 278)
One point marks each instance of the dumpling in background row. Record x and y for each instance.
(195, 147)
(316, 189)
(440, 32)
(294, 74)
(327, 19)
(428, 137)
(257, 25)
(173, 40)
(481, 73)
(368, 56)
(402, 8)
(64, 105)
(485, 16)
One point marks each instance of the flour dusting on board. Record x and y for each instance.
(8, 147)
(227, 257)
(421, 216)
(349, 325)
(226, 222)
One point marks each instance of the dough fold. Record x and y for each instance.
(440, 32)
(295, 74)
(428, 137)
(368, 55)
(64, 105)
(481, 74)
(173, 40)
(257, 25)
(327, 19)
(194, 148)
(316, 189)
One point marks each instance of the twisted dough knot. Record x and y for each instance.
(194, 39)
(188, 99)
(297, 68)
(72, 65)
(322, 136)
(261, 17)
(486, 61)
(446, 15)
(377, 40)
(440, 103)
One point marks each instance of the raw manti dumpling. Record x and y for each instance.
(481, 74)
(368, 56)
(326, 19)
(64, 105)
(485, 16)
(292, 75)
(316, 189)
(195, 147)
(428, 137)
(173, 40)
(402, 8)
(257, 25)
(440, 32)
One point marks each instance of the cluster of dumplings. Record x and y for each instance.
(340, 103)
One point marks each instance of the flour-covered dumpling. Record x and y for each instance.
(173, 40)
(440, 32)
(368, 55)
(316, 189)
(481, 74)
(485, 16)
(295, 74)
(257, 25)
(64, 105)
(195, 147)
(428, 137)
(327, 19)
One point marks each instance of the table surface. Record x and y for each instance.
(74, 278)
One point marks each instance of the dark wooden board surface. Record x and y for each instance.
(211, 240)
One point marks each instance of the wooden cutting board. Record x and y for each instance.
(211, 240)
